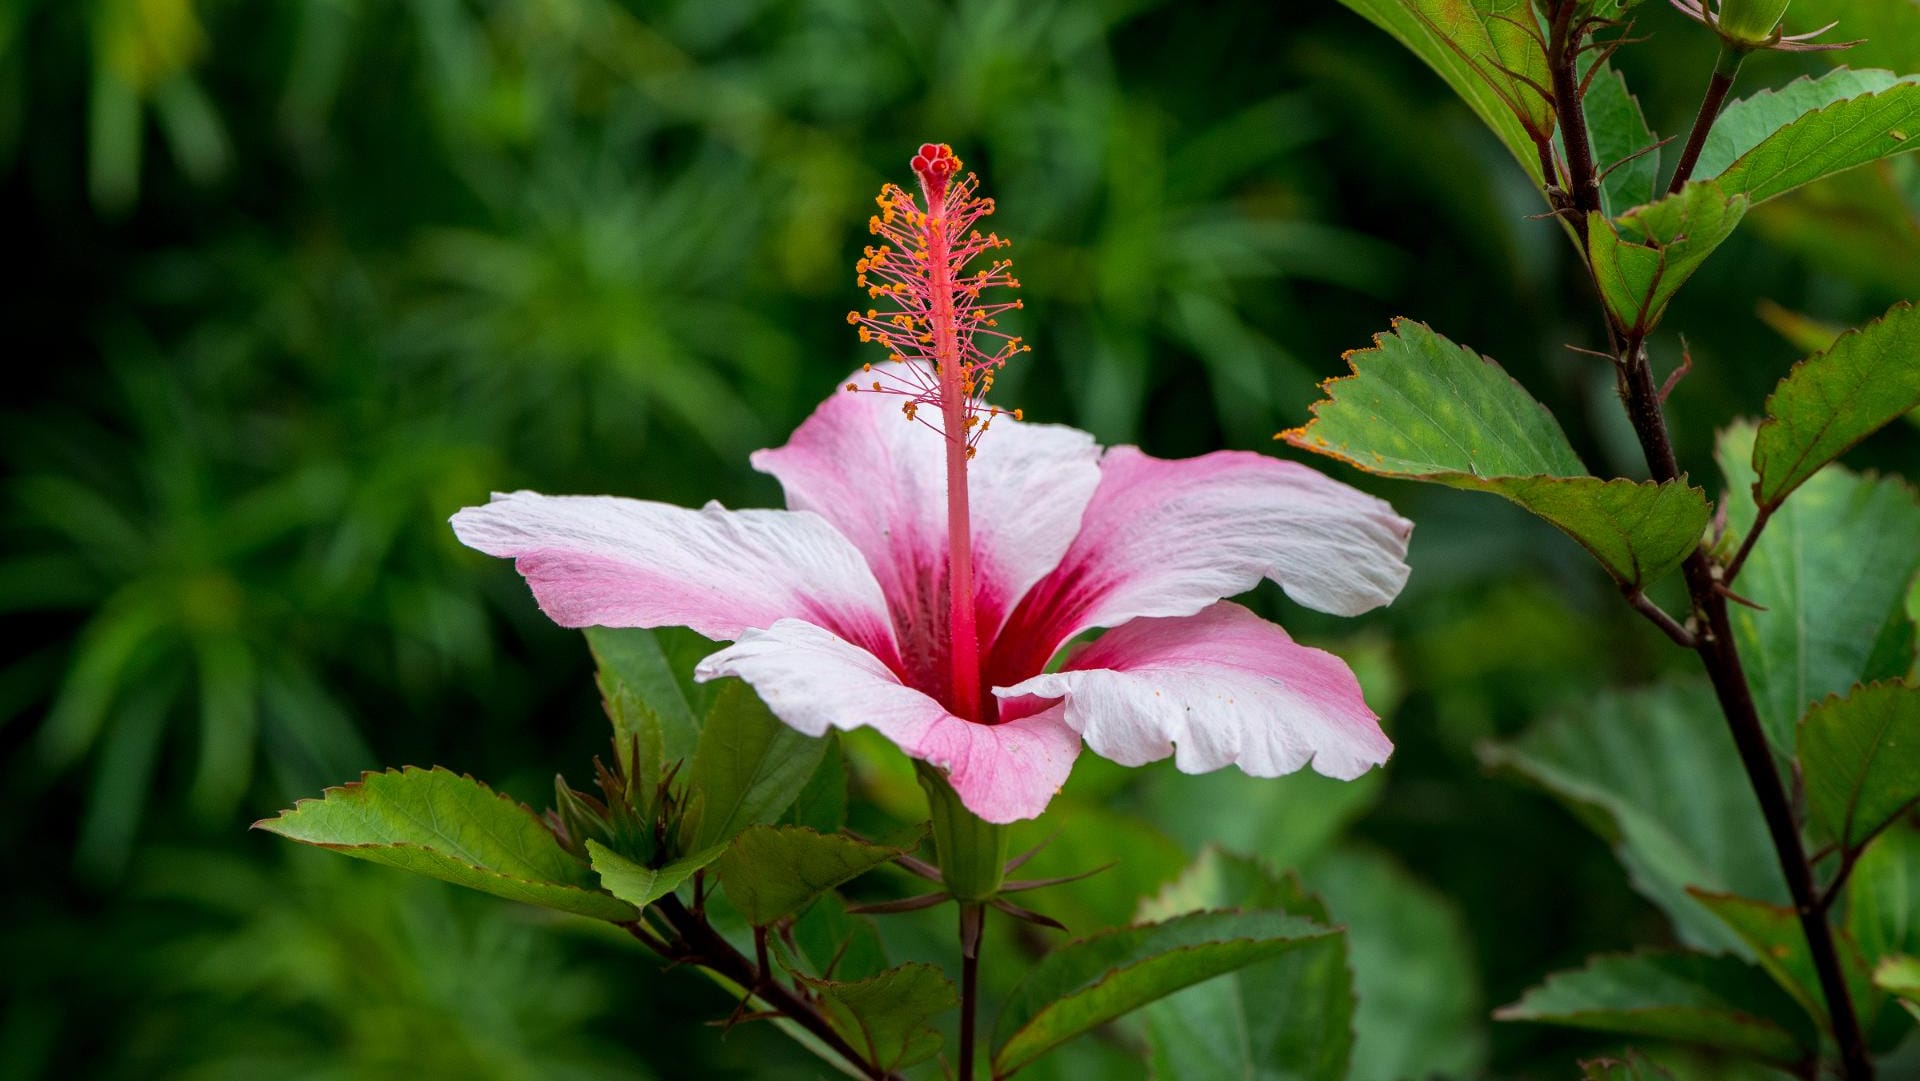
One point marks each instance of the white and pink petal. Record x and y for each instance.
(604, 561)
(1169, 537)
(881, 479)
(815, 680)
(1222, 687)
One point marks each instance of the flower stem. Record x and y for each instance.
(972, 930)
(1725, 70)
(1713, 640)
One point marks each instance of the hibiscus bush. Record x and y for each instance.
(969, 684)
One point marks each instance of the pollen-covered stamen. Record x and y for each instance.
(939, 311)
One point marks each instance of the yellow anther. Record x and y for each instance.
(1019, 414)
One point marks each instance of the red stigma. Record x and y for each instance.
(934, 164)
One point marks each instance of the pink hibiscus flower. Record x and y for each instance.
(839, 608)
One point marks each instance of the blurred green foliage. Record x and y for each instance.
(300, 279)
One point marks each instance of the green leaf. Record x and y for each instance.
(1779, 944)
(1466, 43)
(1714, 1001)
(1860, 756)
(640, 885)
(822, 804)
(1086, 984)
(888, 1015)
(749, 767)
(1808, 130)
(1420, 407)
(1290, 1017)
(771, 872)
(438, 823)
(1900, 975)
(1655, 773)
(1619, 131)
(1883, 921)
(1420, 1012)
(1831, 573)
(1641, 259)
(1834, 399)
(640, 692)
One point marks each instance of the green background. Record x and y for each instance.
(296, 280)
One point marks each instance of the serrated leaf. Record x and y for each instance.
(771, 872)
(1291, 1017)
(1780, 946)
(1466, 43)
(1834, 399)
(888, 1015)
(640, 692)
(1642, 258)
(451, 827)
(1085, 984)
(1420, 407)
(749, 767)
(1619, 131)
(1775, 141)
(1860, 756)
(1656, 774)
(1713, 1001)
(640, 885)
(1831, 573)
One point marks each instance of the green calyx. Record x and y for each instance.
(1751, 23)
(972, 853)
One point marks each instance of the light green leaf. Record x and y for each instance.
(1644, 257)
(1420, 407)
(1831, 573)
(1900, 975)
(1780, 946)
(1777, 140)
(640, 691)
(1714, 1001)
(1088, 983)
(749, 767)
(1883, 896)
(1834, 399)
(640, 885)
(1655, 773)
(771, 872)
(438, 823)
(1619, 131)
(888, 1015)
(1291, 1017)
(1466, 43)
(1860, 756)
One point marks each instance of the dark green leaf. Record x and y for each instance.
(888, 1015)
(749, 767)
(1714, 1001)
(1655, 773)
(1883, 920)
(1420, 407)
(1831, 573)
(438, 823)
(1291, 1017)
(1856, 117)
(1619, 131)
(640, 692)
(640, 885)
(1861, 759)
(771, 872)
(1085, 984)
(1780, 946)
(822, 804)
(1467, 43)
(1834, 399)
(1420, 1012)
(1641, 259)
